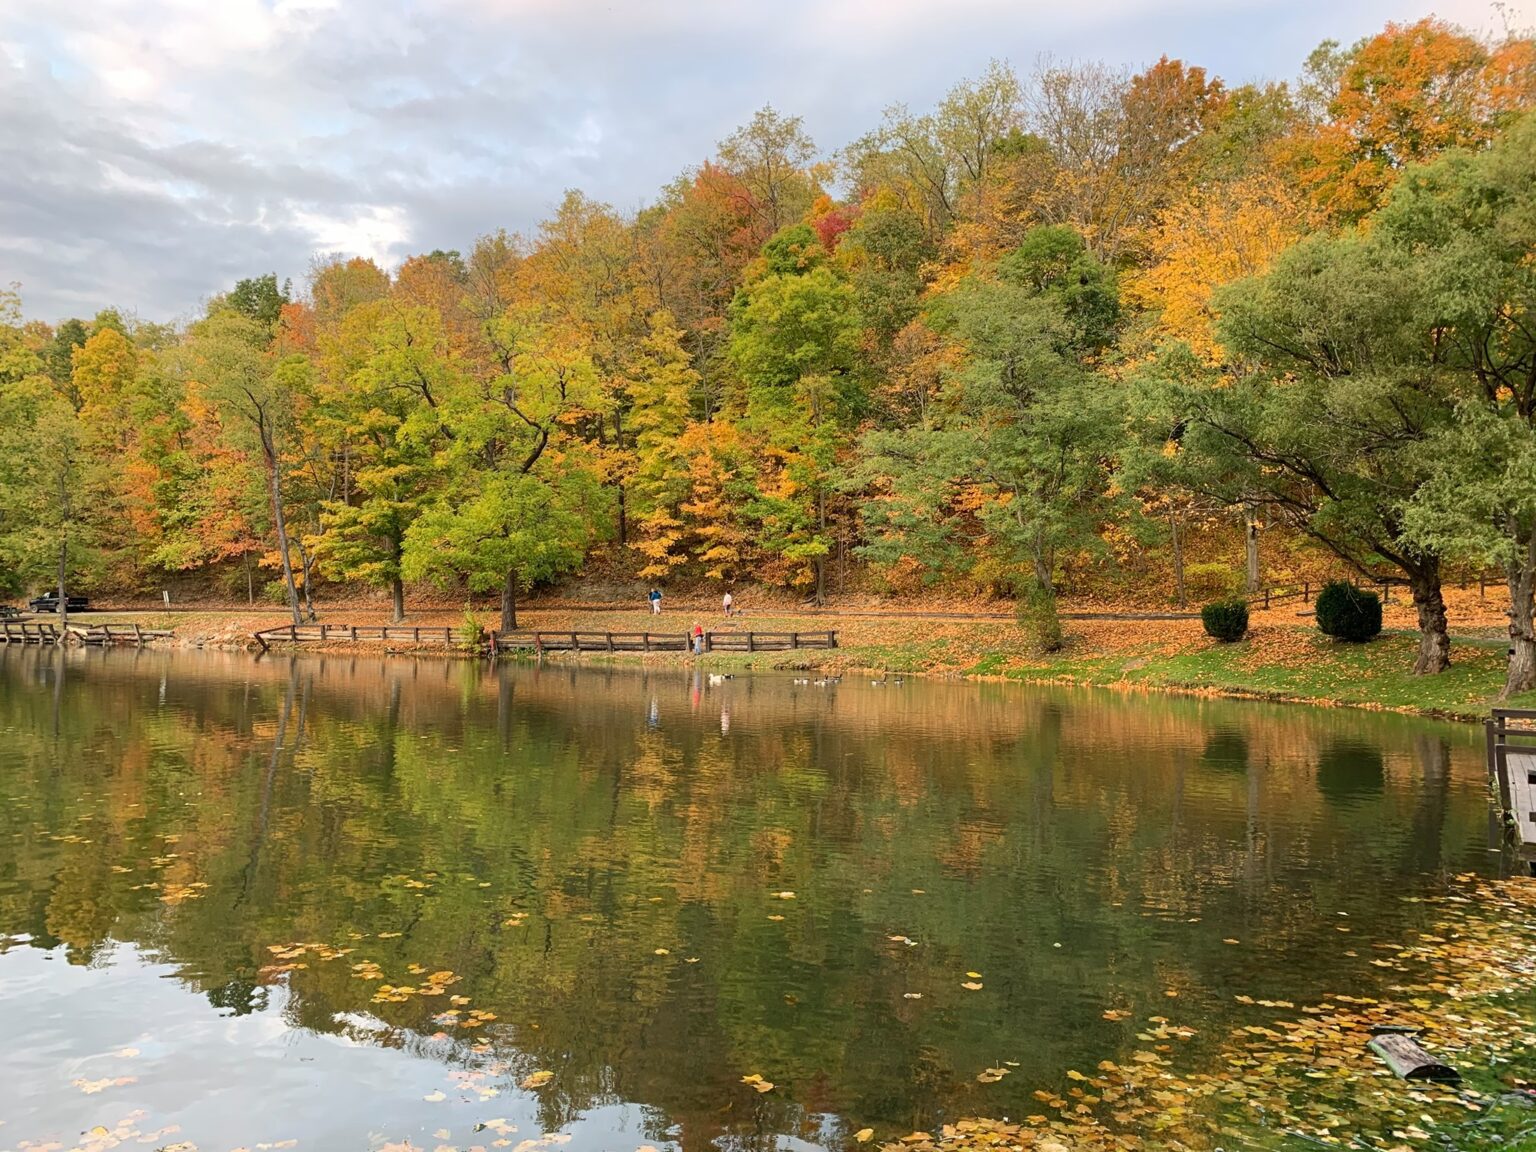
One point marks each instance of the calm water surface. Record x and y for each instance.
(600, 863)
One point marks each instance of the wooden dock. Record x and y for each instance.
(1511, 748)
(97, 635)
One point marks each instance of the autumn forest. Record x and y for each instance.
(1049, 329)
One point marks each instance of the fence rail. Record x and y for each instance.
(357, 634)
(531, 641)
(1510, 735)
(24, 632)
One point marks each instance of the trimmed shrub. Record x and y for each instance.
(1225, 620)
(1348, 613)
(1036, 610)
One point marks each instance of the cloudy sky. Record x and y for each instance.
(153, 151)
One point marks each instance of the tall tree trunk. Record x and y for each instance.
(623, 515)
(509, 602)
(1522, 633)
(1179, 596)
(1043, 579)
(1434, 635)
(63, 599)
(396, 600)
(250, 583)
(274, 478)
(1251, 538)
(306, 568)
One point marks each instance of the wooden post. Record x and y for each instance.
(1266, 596)
(751, 642)
(293, 633)
(794, 639)
(416, 634)
(1306, 591)
(447, 637)
(610, 640)
(138, 637)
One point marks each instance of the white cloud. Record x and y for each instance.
(152, 151)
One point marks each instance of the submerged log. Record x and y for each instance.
(1406, 1058)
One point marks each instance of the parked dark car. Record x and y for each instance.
(50, 603)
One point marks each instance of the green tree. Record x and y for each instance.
(793, 341)
(1017, 445)
(259, 298)
(519, 499)
(1465, 228)
(1316, 425)
(259, 401)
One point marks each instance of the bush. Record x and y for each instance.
(471, 632)
(1036, 610)
(1348, 613)
(1225, 620)
(1214, 580)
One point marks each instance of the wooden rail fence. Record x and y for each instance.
(24, 632)
(411, 634)
(528, 641)
(540, 641)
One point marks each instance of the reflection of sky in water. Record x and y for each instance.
(253, 1076)
(579, 835)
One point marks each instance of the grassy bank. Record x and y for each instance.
(1284, 658)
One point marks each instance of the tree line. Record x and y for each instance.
(1049, 322)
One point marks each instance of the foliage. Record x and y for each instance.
(1346, 612)
(1225, 620)
(984, 345)
(1038, 614)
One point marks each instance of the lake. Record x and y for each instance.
(356, 903)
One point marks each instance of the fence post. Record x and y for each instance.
(1306, 591)
(416, 634)
(609, 635)
(1266, 597)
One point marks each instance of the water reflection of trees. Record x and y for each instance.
(306, 792)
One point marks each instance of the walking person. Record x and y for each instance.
(655, 599)
(698, 639)
(727, 603)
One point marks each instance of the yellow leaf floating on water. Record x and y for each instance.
(536, 1080)
(663, 952)
(971, 985)
(784, 895)
(974, 975)
(1074, 1074)
(775, 917)
(435, 1097)
(911, 995)
(863, 1135)
(1116, 1014)
(991, 1075)
(757, 1082)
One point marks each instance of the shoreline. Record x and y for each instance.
(1282, 660)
